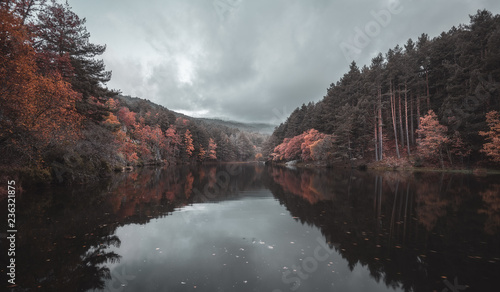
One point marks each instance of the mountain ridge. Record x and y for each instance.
(255, 127)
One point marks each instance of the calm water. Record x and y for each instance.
(256, 228)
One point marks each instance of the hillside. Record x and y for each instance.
(58, 121)
(262, 128)
(428, 102)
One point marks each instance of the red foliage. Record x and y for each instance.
(300, 147)
(432, 137)
(293, 148)
(36, 109)
(188, 143)
(112, 104)
(127, 117)
(111, 122)
(310, 138)
(202, 154)
(173, 142)
(212, 147)
(492, 147)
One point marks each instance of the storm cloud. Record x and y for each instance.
(253, 61)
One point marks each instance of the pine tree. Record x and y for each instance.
(62, 41)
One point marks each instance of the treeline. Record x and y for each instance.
(58, 119)
(148, 133)
(429, 101)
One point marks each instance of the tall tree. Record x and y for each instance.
(212, 150)
(188, 144)
(35, 110)
(60, 34)
(377, 67)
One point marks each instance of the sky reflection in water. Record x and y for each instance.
(249, 244)
(257, 228)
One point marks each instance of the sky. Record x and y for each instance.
(253, 60)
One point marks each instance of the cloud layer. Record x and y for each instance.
(252, 60)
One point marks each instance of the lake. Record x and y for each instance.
(250, 227)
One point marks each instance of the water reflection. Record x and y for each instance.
(418, 231)
(256, 228)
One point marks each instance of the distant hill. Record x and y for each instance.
(262, 128)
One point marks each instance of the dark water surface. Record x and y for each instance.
(248, 227)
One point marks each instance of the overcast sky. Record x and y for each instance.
(253, 60)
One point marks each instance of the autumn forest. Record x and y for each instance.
(58, 120)
(431, 102)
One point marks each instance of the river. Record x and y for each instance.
(250, 227)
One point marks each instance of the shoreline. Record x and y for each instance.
(369, 166)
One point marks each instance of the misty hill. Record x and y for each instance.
(136, 103)
(262, 128)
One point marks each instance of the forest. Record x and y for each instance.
(431, 102)
(59, 121)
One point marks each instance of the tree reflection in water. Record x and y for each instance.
(409, 230)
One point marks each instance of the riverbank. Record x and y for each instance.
(388, 165)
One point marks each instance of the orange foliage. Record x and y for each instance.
(491, 199)
(188, 187)
(307, 185)
(212, 147)
(173, 142)
(432, 136)
(111, 122)
(188, 140)
(112, 104)
(36, 109)
(492, 148)
(127, 117)
(300, 146)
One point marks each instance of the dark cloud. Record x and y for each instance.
(249, 60)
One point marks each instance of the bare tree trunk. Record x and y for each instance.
(406, 118)
(376, 136)
(418, 111)
(393, 112)
(380, 136)
(411, 119)
(441, 157)
(401, 132)
(428, 95)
